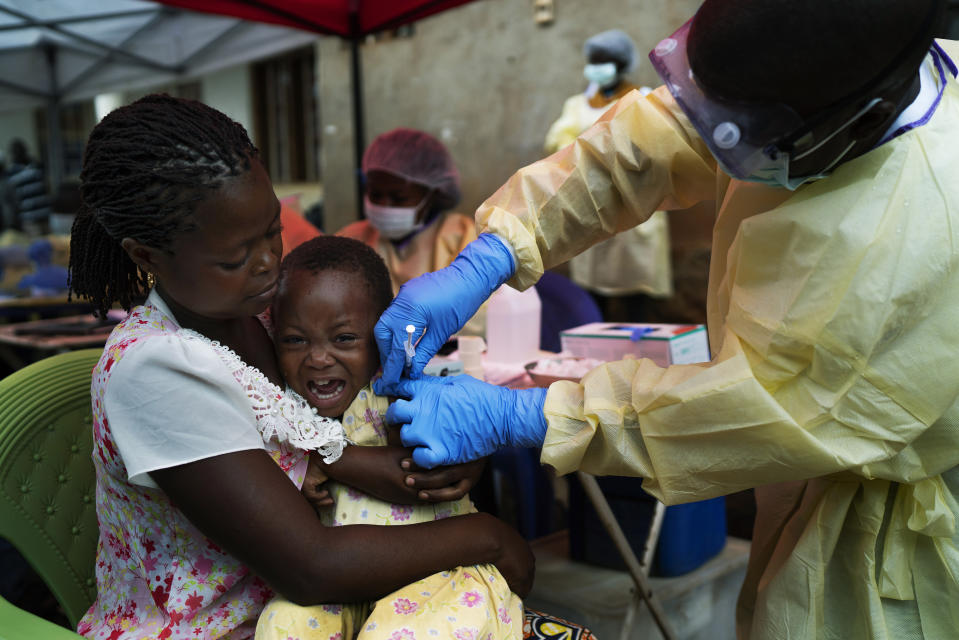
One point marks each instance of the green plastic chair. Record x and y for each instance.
(47, 486)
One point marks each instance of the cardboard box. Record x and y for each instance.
(443, 366)
(664, 344)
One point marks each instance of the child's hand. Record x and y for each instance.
(443, 484)
(317, 496)
(313, 483)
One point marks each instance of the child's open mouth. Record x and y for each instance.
(325, 393)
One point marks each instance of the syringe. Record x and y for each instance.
(408, 346)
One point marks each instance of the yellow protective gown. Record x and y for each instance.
(432, 248)
(635, 260)
(834, 323)
(579, 114)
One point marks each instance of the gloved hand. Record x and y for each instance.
(440, 302)
(459, 418)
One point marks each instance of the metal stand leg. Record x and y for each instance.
(636, 570)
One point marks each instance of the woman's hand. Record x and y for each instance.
(443, 484)
(515, 559)
(389, 473)
(376, 471)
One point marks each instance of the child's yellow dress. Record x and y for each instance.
(464, 603)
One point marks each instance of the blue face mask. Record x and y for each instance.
(601, 75)
(776, 172)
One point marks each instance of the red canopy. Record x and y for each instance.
(325, 16)
(351, 19)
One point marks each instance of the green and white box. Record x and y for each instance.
(664, 344)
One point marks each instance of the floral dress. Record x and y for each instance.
(157, 575)
(465, 603)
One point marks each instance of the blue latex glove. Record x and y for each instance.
(441, 302)
(457, 419)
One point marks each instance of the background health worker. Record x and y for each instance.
(624, 272)
(834, 386)
(412, 186)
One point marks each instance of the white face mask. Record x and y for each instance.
(776, 173)
(393, 222)
(602, 75)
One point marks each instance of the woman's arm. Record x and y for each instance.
(246, 504)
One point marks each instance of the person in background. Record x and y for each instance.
(826, 132)
(629, 272)
(412, 186)
(610, 58)
(7, 208)
(29, 189)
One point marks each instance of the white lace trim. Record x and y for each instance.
(284, 415)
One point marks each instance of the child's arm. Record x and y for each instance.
(376, 471)
(388, 473)
(248, 506)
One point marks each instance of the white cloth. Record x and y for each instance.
(929, 85)
(180, 398)
(211, 414)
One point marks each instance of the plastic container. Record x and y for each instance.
(471, 355)
(512, 325)
(690, 535)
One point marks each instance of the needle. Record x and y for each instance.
(409, 347)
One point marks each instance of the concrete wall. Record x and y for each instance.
(229, 91)
(484, 78)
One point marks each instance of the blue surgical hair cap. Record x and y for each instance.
(616, 44)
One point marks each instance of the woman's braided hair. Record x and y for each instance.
(145, 169)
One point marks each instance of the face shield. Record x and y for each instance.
(750, 141)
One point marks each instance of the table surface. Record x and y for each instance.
(12, 334)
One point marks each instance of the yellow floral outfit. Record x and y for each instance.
(464, 603)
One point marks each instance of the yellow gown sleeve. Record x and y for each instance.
(839, 348)
(641, 155)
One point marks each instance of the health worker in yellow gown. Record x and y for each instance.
(828, 134)
(412, 186)
(633, 267)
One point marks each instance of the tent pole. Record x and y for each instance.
(359, 135)
(54, 166)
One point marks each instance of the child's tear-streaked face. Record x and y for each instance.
(323, 331)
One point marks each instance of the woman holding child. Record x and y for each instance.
(200, 449)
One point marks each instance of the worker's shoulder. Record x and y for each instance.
(951, 47)
(455, 221)
(360, 230)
